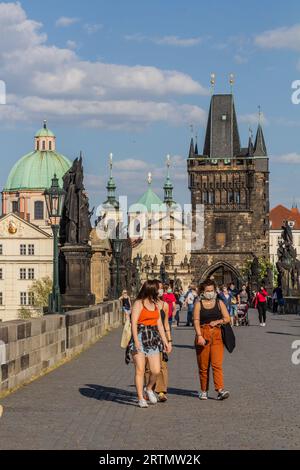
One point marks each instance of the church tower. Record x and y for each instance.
(232, 183)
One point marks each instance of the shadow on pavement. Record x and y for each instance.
(281, 333)
(102, 393)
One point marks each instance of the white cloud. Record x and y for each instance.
(71, 44)
(53, 81)
(65, 21)
(291, 158)
(130, 164)
(286, 37)
(92, 28)
(166, 40)
(252, 118)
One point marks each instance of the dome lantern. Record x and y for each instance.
(44, 139)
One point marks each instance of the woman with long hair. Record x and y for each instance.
(148, 340)
(209, 314)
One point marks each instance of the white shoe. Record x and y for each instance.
(263, 324)
(1, 410)
(143, 404)
(151, 396)
(203, 395)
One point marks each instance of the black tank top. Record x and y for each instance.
(210, 314)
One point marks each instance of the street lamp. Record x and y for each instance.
(117, 250)
(138, 265)
(55, 198)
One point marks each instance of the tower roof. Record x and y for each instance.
(148, 200)
(192, 149)
(260, 149)
(44, 131)
(222, 135)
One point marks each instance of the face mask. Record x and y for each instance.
(160, 292)
(210, 295)
(169, 291)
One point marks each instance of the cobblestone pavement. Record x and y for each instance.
(89, 403)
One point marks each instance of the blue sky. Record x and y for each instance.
(130, 77)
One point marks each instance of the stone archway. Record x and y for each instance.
(222, 273)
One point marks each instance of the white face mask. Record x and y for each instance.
(210, 295)
(160, 292)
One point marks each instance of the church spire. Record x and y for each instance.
(111, 185)
(260, 149)
(250, 143)
(192, 149)
(168, 186)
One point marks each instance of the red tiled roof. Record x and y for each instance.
(280, 213)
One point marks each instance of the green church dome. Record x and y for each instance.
(36, 170)
(149, 200)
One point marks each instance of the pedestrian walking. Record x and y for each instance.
(225, 296)
(126, 304)
(190, 300)
(170, 299)
(261, 304)
(161, 384)
(233, 291)
(148, 340)
(209, 314)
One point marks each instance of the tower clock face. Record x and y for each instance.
(12, 228)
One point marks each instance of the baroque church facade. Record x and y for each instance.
(231, 184)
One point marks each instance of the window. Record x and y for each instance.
(211, 197)
(30, 298)
(1, 298)
(50, 145)
(205, 197)
(39, 210)
(237, 197)
(31, 250)
(221, 232)
(1, 273)
(44, 145)
(15, 206)
(22, 273)
(38, 145)
(23, 298)
(31, 273)
(230, 196)
(1, 249)
(22, 250)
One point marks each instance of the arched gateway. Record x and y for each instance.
(222, 273)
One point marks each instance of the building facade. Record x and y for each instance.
(26, 242)
(231, 183)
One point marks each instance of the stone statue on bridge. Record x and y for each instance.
(288, 266)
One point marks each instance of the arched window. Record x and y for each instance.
(205, 197)
(39, 210)
(211, 197)
(137, 227)
(230, 197)
(50, 145)
(44, 145)
(38, 145)
(237, 197)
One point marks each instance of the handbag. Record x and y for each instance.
(228, 337)
(126, 334)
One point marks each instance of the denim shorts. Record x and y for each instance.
(150, 352)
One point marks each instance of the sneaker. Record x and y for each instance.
(162, 397)
(222, 395)
(263, 324)
(143, 404)
(1, 410)
(203, 395)
(151, 396)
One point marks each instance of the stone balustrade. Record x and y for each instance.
(30, 347)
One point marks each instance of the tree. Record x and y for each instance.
(263, 266)
(39, 290)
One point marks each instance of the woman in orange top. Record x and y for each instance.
(148, 340)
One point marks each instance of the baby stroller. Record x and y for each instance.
(243, 315)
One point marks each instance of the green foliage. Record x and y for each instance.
(41, 289)
(24, 313)
(263, 266)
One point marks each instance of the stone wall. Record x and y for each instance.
(30, 347)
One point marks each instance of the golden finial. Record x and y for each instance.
(231, 81)
(149, 179)
(259, 114)
(110, 163)
(212, 81)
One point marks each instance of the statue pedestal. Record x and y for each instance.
(75, 276)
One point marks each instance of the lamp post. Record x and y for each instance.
(138, 264)
(55, 197)
(117, 249)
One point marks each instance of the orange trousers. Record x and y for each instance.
(211, 355)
